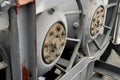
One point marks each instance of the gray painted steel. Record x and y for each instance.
(23, 30)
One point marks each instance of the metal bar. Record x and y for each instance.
(78, 68)
(111, 5)
(107, 69)
(114, 17)
(88, 50)
(73, 12)
(60, 68)
(97, 44)
(75, 40)
(74, 54)
(116, 34)
(107, 27)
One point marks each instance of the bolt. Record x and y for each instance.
(51, 11)
(98, 12)
(63, 43)
(51, 33)
(92, 28)
(63, 33)
(76, 25)
(98, 22)
(93, 33)
(97, 31)
(57, 54)
(58, 28)
(46, 45)
(57, 36)
(101, 24)
(94, 19)
(101, 10)
(102, 15)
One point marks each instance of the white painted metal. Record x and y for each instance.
(42, 5)
(44, 23)
(26, 45)
(92, 44)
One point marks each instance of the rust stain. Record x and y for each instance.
(23, 2)
(25, 73)
(20, 3)
(16, 9)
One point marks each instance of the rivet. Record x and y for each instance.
(63, 43)
(94, 19)
(58, 28)
(97, 12)
(92, 28)
(102, 15)
(97, 31)
(57, 54)
(51, 33)
(101, 10)
(76, 25)
(63, 33)
(51, 11)
(46, 45)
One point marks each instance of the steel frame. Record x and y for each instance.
(22, 32)
(92, 65)
(23, 45)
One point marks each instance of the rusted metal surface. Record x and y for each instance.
(25, 73)
(22, 2)
(26, 59)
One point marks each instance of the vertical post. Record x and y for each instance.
(22, 28)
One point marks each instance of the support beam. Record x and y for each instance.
(107, 69)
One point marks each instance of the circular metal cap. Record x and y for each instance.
(54, 43)
(97, 22)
